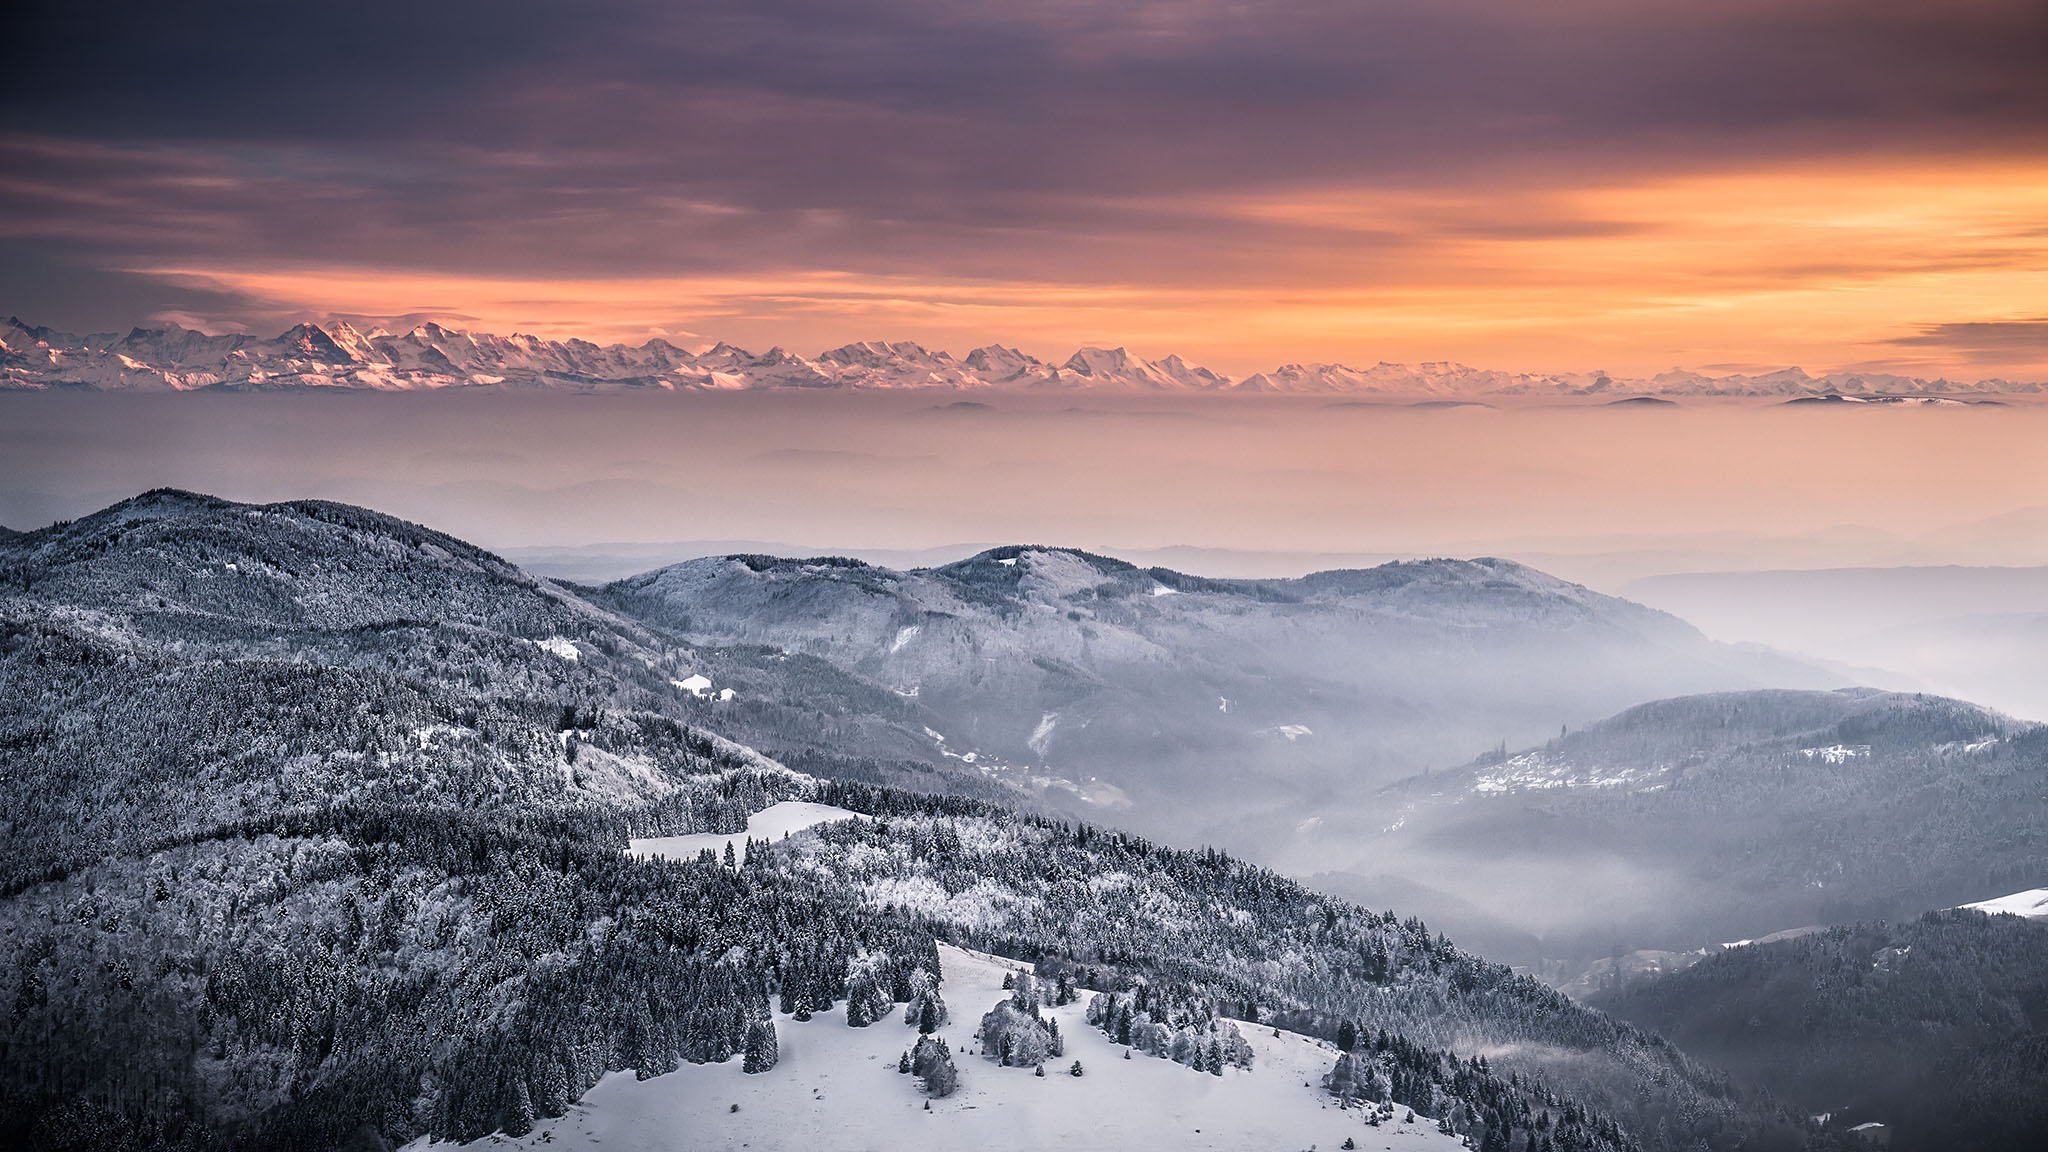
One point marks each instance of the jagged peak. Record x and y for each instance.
(1090, 360)
(161, 355)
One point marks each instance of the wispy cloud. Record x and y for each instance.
(1986, 341)
(1638, 184)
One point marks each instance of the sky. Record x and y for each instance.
(1627, 185)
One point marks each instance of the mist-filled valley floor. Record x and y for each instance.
(324, 828)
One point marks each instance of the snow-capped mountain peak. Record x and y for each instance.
(431, 356)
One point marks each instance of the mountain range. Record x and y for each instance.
(1547, 771)
(317, 829)
(430, 356)
(322, 829)
(1235, 711)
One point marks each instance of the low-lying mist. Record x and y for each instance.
(1217, 485)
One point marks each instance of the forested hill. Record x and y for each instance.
(1937, 1027)
(1728, 816)
(176, 661)
(315, 827)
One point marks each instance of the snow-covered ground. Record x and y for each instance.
(1540, 770)
(837, 1088)
(771, 823)
(560, 646)
(2033, 904)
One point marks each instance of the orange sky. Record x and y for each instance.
(1627, 185)
(1812, 265)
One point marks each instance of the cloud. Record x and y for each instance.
(1054, 145)
(1985, 340)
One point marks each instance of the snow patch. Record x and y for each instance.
(1836, 753)
(2032, 904)
(696, 684)
(560, 646)
(1539, 770)
(904, 636)
(1042, 735)
(771, 823)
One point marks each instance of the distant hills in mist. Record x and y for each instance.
(429, 356)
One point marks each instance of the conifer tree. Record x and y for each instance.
(761, 1051)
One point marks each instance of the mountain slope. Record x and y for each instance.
(177, 660)
(1231, 709)
(1937, 1028)
(317, 821)
(1691, 821)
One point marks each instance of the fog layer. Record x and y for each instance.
(1245, 486)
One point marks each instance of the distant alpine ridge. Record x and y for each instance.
(430, 357)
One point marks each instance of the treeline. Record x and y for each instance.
(1496, 1114)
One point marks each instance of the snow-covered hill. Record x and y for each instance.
(430, 356)
(837, 1088)
(1230, 710)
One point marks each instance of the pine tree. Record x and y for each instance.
(519, 1116)
(761, 1051)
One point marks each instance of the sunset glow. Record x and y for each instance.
(1614, 186)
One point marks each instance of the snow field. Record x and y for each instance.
(771, 823)
(836, 1089)
(2033, 904)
